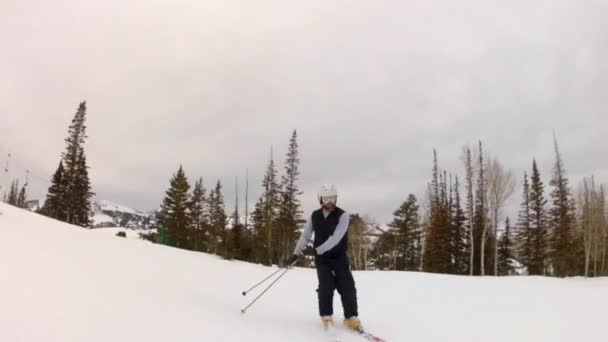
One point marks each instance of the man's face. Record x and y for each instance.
(329, 202)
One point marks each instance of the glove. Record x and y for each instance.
(292, 259)
(310, 251)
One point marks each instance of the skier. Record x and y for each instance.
(330, 227)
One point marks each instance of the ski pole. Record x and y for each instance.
(261, 282)
(266, 289)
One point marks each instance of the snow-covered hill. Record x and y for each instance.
(64, 283)
(108, 214)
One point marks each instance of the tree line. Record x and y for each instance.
(197, 220)
(458, 228)
(557, 233)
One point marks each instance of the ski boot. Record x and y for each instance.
(354, 323)
(327, 321)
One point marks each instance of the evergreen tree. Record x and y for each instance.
(525, 235)
(234, 236)
(76, 199)
(82, 190)
(261, 248)
(459, 237)
(12, 197)
(480, 223)
(470, 208)
(69, 196)
(562, 221)
(198, 217)
(264, 217)
(405, 228)
(538, 224)
(219, 242)
(384, 252)
(22, 198)
(437, 252)
(290, 212)
(174, 210)
(237, 243)
(505, 251)
(53, 206)
(432, 256)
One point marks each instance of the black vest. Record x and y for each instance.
(324, 227)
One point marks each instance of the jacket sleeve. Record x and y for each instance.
(338, 234)
(305, 237)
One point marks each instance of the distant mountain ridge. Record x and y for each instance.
(109, 214)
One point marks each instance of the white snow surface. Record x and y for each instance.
(65, 283)
(109, 206)
(131, 233)
(99, 218)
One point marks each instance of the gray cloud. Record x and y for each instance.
(371, 87)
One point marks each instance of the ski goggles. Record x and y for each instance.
(329, 199)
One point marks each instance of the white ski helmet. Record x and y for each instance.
(327, 191)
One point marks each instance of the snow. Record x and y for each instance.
(109, 206)
(64, 283)
(112, 231)
(101, 218)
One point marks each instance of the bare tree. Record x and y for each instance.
(359, 241)
(591, 214)
(501, 185)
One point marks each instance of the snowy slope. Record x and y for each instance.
(112, 231)
(100, 219)
(110, 206)
(63, 283)
(108, 214)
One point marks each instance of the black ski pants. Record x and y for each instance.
(334, 274)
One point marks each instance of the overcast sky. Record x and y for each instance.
(371, 86)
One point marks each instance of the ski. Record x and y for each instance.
(368, 336)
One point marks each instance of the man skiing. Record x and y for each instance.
(330, 227)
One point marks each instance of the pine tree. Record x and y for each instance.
(238, 242)
(460, 234)
(235, 234)
(433, 245)
(174, 210)
(219, 242)
(562, 221)
(470, 211)
(290, 212)
(261, 248)
(82, 191)
(76, 198)
(264, 217)
(405, 228)
(198, 217)
(437, 252)
(505, 251)
(12, 197)
(480, 219)
(525, 236)
(538, 224)
(22, 198)
(384, 252)
(53, 206)
(70, 191)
